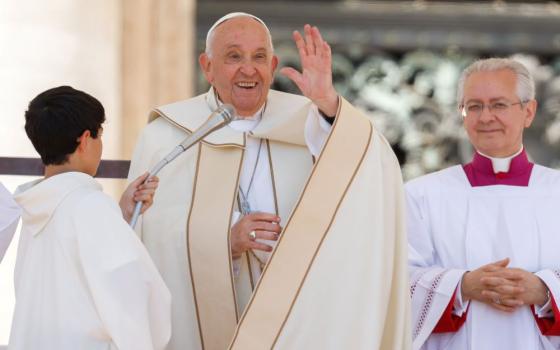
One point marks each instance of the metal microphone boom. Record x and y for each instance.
(218, 119)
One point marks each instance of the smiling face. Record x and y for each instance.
(492, 134)
(241, 64)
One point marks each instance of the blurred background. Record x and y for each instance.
(397, 60)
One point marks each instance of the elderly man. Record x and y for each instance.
(337, 275)
(483, 237)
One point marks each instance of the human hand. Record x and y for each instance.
(138, 191)
(315, 80)
(532, 290)
(477, 283)
(266, 226)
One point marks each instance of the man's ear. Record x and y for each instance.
(205, 64)
(83, 141)
(530, 112)
(274, 65)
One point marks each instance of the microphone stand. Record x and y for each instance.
(217, 120)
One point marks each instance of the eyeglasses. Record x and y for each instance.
(499, 109)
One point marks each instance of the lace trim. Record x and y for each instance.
(428, 302)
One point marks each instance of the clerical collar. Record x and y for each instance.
(248, 123)
(482, 171)
(243, 125)
(501, 165)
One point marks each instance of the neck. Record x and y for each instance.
(52, 170)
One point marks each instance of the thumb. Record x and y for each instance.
(502, 263)
(139, 180)
(293, 75)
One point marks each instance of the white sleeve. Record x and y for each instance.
(130, 296)
(431, 286)
(9, 217)
(550, 277)
(317, 131)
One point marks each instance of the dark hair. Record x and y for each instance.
(56, 118)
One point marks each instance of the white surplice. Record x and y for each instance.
(9, 217)
(83, 279)
(454, 227)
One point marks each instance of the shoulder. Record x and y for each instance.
(89, 200)
(286, 102)
(544, 176)
(447, 178)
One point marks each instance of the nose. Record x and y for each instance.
(248, 68)
(486, 115)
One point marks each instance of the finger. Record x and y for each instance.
(267, 235)
(309, 45)
(318, 41)
(265, 226)
(260, 246)
(300, 44)
(502, 263)
(261, 216)
(500, 299)
(148, 185)
(140, 179)
(148, 191)
(496, 281)
(146, 198)
(504, 308)
(326, 50)
(294, 76)
(513, 274)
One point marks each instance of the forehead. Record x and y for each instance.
(243, 32)
(491, 85)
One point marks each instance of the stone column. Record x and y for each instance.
(158, 43)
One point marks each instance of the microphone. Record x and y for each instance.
(221, 117)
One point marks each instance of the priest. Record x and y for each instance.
(280, 230)
(483, 237)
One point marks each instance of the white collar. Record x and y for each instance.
(501, 164)
(248, 124)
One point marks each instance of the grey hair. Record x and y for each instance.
(231, 15)
(525, 82)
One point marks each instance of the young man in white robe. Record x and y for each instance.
(83, 279)
(9, 217)
(484, 237)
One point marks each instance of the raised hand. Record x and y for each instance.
(315, 79)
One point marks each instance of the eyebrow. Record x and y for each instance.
(494, 99)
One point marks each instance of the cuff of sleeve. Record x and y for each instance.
(459, 307)
(549, 325)
(325, 122)
(317, 130)
(545, 310)
(449, 322)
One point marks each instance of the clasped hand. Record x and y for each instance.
(502, 287)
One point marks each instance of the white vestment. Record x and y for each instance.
(454, 227)
(342, 230)
(83, 280)
(9, 217)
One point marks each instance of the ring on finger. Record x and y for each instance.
(253, 235)
(497, 301)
